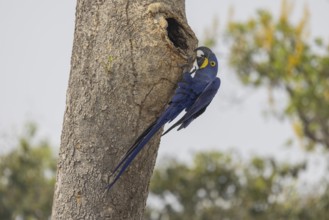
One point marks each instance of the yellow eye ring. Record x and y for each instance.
(212, 63)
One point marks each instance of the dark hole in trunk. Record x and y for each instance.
(176, 33)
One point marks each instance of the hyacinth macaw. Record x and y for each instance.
(193, 94)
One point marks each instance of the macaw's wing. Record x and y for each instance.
(199, 106)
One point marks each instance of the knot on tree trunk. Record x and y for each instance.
(178, 33)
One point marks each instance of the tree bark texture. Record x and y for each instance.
(127, 58)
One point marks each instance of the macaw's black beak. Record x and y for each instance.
(202, 59)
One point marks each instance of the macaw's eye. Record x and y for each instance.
(212, 63)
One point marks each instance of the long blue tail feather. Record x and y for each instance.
(133, 147)
(141, 141)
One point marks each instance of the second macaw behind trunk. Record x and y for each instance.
(193, 94)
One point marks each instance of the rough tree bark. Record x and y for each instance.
(127, 58)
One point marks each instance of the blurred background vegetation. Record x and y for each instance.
(264, 53)
(27, 178)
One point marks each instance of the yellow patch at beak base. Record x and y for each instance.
(205, 63)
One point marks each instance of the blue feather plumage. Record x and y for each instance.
(193, 95)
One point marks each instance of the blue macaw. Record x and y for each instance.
(193, 94)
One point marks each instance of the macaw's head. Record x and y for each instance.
(206, 59)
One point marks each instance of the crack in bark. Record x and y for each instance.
(149, 92)
(133, 64)
(130, 40)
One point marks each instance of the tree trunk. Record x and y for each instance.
(127, 58)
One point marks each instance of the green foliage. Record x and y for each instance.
(221, 186)
(27, 177)
(276, 54)
(215, 186)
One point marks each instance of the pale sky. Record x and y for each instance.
(35, 48)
